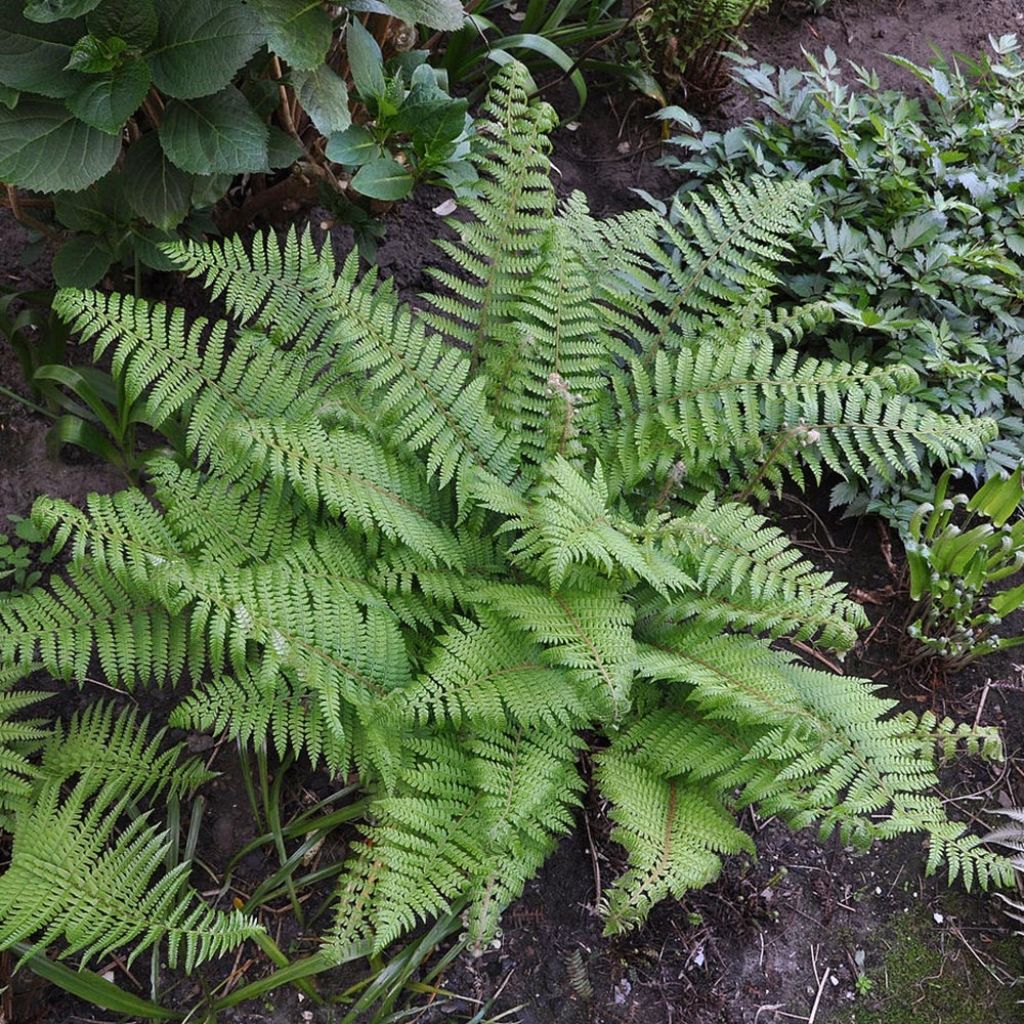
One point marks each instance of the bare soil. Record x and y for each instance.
(780, 938)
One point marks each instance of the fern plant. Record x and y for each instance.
(438, 546)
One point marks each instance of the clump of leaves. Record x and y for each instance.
(914, 235)
(136, 117)
(958, 550)
(443, 548)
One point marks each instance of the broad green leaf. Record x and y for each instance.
(33, 57)
(93, 55)
(107, 102)
(58, 10)
(146, 241)
(208, 189)
(215, 134)
(366, 62)
(299, 31)
(282, 149)
(44, 148)
(156, 190)
(428, 114)
(443, 14)
(200, 45)
(134, 21)
(94, 209)
(81, 262)
(324, 97)
(9, 97)
(383, 179)
(353, 147)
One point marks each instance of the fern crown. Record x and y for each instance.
(435, 546)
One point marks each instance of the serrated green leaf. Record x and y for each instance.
(383, 179)
(365, 61)
(134, 21)
(200, 45)
(58, 10)
(208, 189)
(9, 97)
(107, 102)
(146, 241)
(299, 31)
(215, 134)
(282, 149)
(323, 95)
(81, 262)
(428, 114)
(447, 15)
(354, 146)
(93, 55)
(94, 209)
(33, 57)
(45, 148)
(156, 190)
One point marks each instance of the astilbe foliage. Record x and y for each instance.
(440, 546)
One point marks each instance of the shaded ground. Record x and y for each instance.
(786, 937)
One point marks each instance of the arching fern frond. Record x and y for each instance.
(473, 820)
(346, 474)
(283, 285)
(105, 742)
(674, 834)
(586, 631)
(488, 676)
(91, 613)
(19, 739)
(499, 252)
(750, 575)
(265, 704)
(567, 524)
(722, 249)
(69, 879)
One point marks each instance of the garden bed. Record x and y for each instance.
(807, 932)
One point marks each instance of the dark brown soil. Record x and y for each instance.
(755, 947)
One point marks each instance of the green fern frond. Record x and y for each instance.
(749, 575)
(214, 520)
(735, 405)
(675, 837)
(264, 705)
(728, 241)
(589, 632)
(68, 879)
(105, 742)
(490, 676)
(544, 378)
(20, 738)
(567, 524)
(499, 251)
(91, 613)
(348, 475)
(473, 820)
(282, 285)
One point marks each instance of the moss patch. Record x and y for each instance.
(927, 977)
